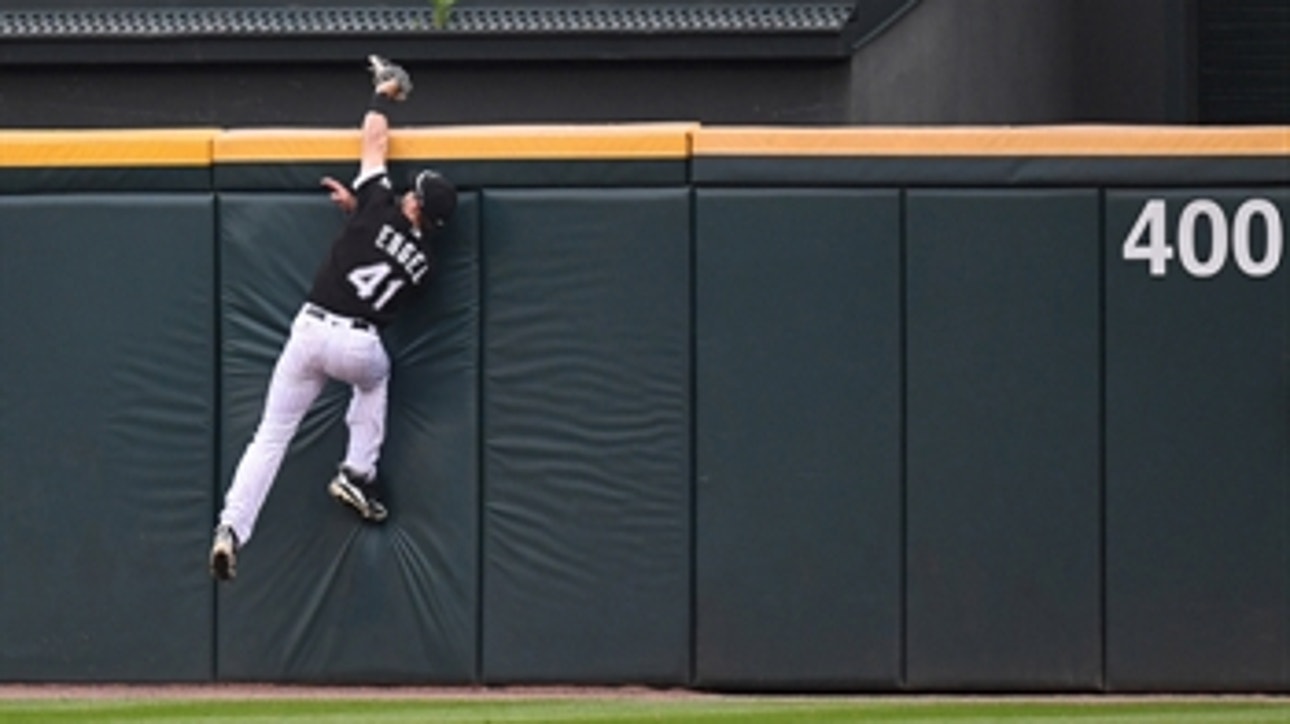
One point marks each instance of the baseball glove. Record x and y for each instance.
(384, 71)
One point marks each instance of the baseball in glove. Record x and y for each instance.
(383, 71)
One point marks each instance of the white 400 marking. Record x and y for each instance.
(1147, 240)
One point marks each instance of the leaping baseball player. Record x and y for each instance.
(381, 259)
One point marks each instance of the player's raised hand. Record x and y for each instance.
(340, 194)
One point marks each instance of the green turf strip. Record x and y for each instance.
(628, 711)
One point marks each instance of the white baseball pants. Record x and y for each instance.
(317, 350)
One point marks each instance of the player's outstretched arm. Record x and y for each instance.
(392, 85)
(376, 131)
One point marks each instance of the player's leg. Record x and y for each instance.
(366, 421)
(356, 483)
(366, 366)
(296, 382)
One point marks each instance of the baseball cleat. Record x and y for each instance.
(224, 553)
(358, 493)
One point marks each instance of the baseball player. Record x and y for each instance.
(381, 258)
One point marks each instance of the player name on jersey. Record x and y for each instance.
(404, 251)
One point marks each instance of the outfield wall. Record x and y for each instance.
(973, 409)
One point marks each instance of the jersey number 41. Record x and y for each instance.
(373, 282)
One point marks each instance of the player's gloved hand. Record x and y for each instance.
(390, 78)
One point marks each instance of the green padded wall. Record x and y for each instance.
(1003, 466)
(798, 439)
(106, 431)
(586, 507)
(803, 411)
(321, 596)
(1198, 449)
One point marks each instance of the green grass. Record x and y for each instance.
(630, 711)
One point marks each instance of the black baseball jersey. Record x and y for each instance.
(378, 262)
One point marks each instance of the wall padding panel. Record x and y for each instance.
(587, 439)
(1198, 446)
(798, 548)
(321, 596)
(1003, 440)
(106, 436)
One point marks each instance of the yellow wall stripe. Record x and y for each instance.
(486, 143)
(282, 145)
(1085, 141)
(92, 148)
(645, 141)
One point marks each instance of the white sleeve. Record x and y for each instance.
(368, 174)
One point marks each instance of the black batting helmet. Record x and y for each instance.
(437, 197)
